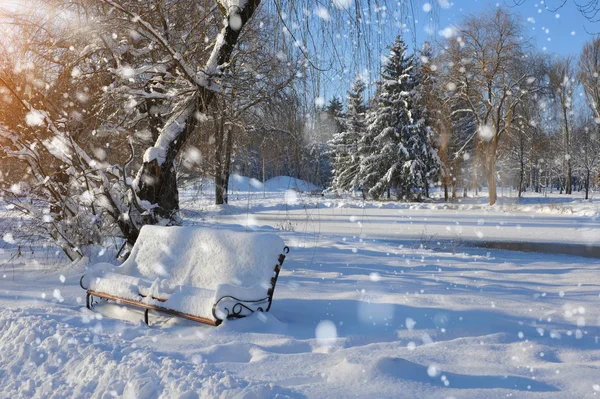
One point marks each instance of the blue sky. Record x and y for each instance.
(566, 32)
(562, 31)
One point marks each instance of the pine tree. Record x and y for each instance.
(335, 112)
(422, 163)
(344, 145)
(397, 151)
(383, 152)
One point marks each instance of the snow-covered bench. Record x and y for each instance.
(197, 273)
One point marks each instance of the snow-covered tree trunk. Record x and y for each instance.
(157, 177)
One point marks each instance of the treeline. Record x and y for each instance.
(107, 105)
(495, 110)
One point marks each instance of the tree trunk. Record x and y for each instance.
(568, 186)
(158, 180)
(227, 168)
(530, 185)
(445, 191)
(491, 180)
(219, 162)
(263, 175)
(521, 176)
(587, 184)
(491, 171)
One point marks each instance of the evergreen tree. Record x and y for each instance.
(383, 152)
(423, 163)
(397, 151)
(335, 112)
(344, 145)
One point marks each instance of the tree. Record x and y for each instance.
(135, 56)
(397, 146)
(344, 145)
(438, 115)
(562, 82)
(381, 166)
(587, 148)
(488, 64)
(424, 158)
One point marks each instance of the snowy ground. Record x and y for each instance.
(375, 300)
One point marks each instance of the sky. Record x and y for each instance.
(562, 31)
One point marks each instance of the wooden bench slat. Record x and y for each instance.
(153, 307)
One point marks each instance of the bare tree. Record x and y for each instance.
(562, 81)
(587, 147)
(491, 70)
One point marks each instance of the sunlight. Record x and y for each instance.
(10, 5)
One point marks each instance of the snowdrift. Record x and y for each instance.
(238, 183)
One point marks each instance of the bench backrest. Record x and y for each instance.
(204, 257)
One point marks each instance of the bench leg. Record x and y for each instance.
(146, 317)
(88, 301)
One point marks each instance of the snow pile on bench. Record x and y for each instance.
(187, 269)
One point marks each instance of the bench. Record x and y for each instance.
(197, 273)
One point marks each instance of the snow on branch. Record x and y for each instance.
(187, 70)
(169, 134)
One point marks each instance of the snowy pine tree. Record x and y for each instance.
(397, 151)
(423, 163)
(344, 145)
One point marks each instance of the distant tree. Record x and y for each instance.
(398, 140)
(587, 149)
(589, 74)
(384, 152)
(562, 82)
(344, 145)
(491, 69)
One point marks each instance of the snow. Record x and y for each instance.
(283, 183)
(242, 184)
(377, 299)
(191, 267)
(169, 134)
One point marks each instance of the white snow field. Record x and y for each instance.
(375, 300)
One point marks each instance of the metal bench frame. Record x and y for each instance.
(240, 307)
